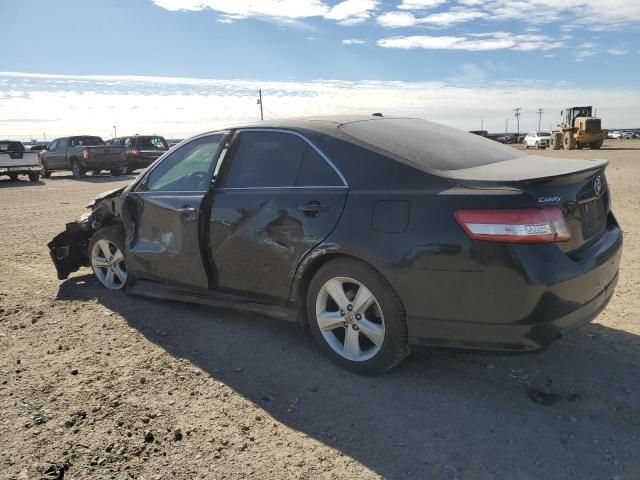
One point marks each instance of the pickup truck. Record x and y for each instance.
(15, 161)
(81, 154)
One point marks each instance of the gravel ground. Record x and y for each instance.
(98, 384)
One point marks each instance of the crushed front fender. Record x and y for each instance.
(69, 250)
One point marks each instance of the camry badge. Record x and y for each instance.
(597, 185)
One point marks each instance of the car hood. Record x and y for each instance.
(109, 194)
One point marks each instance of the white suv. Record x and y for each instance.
(537, 139)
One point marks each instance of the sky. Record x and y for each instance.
(180, 67)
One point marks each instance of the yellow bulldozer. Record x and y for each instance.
(579, 129)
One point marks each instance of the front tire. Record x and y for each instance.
(106, 252)
(116, 172)
(44, 173)
(357, 318)
(596, 145)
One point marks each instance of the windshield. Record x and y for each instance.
(429, 144)
(85, 141)
(544, 134)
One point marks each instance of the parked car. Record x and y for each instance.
(376, 232)
(81, 154)
(614, 135)
(141, 150)
(15, 160)
(537, 139)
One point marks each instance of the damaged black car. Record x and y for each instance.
(376, 232)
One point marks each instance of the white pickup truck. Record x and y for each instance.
(14, 161)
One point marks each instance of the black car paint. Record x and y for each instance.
(398, 218)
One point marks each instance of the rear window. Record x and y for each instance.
(11, 147)
(429, 144)
(85, 141)
(152, 143)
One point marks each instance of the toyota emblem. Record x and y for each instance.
(597, 185)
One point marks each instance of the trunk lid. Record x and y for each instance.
(578, 187)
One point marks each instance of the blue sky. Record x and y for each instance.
(452, 61)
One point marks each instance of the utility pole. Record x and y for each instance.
(517, 113)
(260, 103)
(482, 124)
(506, 126)
(115, 134)
(540, 112)
(45, 136)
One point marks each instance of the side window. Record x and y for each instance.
(52, 146)
(187, 169)
(128, 143)
(265, 159)
(315, 171)
(61, 144)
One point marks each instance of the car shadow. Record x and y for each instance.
(22, 182)
(570, 412)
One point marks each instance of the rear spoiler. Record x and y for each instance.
(530, 168)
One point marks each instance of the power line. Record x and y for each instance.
(260, 103)
(517, 113)
(540, 112)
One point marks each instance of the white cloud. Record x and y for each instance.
(346, 12)
(353, 41)
(473, 42)
(179, 107)
(441, 19)
(420, 4)
(617, 51)
(351, 12)
(397, 19)
(593, 14)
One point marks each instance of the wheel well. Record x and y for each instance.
(310, 271)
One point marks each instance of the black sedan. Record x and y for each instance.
(375, 232)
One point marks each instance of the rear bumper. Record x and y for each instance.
(523, 298)
(510, 337)
(20, 169)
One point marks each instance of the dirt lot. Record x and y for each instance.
(120, 387)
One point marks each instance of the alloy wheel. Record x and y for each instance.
(109, 264)
(350, 319)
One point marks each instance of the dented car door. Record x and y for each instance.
(163, 214)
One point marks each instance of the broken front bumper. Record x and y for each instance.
(69, 250)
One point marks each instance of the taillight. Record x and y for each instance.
(86, 153)
(532, 225)
(133, 152)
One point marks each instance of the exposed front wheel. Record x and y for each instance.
(596, 145)
(356, 317)
(44, 172)
(106, 251)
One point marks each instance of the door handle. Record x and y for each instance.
(313, 208)
(188, 213)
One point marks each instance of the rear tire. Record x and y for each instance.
(116, 172)
(596, 145)
(77, 170)
(34, 177)
(13, 177)
(366, 337)
(556, 140)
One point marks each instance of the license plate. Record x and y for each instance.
(593, 217)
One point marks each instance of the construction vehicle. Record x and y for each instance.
(579, 129)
